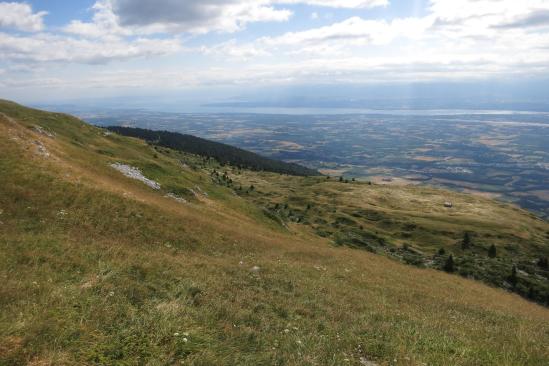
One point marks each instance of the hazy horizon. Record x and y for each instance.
(372, 54)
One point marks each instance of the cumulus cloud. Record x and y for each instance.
(52, 48)
(534, 19)
(198, 16)
(353, 31)
(351, 4)
(452, 39)
(465, 38)
(235, 51)
(100, 41)
(104, 23)
(21, 17)
(201, 16)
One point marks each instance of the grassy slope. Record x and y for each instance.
(100, 269)
(408, 214)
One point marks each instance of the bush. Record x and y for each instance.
(449, 265)
(513, 278)
(492, 252)
(543, 263)
(466, 242)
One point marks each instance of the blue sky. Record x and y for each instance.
(54, 50)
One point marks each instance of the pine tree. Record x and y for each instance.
(492, 252)
(441, 251)
(449, 265)
(543, 263)
(531, 293)
(466, 242)
(513, 278)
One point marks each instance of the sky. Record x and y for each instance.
(55, 50)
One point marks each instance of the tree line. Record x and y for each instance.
(223, 153)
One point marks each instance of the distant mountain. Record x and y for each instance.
(225, 154)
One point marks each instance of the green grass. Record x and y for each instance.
(411, 224)
(98, 269)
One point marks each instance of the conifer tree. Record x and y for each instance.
(513, 278)
(543, 263)
(449, 265)
(466, 242)
(492, 252)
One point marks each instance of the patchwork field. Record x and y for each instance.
(504, 154)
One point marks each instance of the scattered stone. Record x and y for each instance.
(176, 198)
(363, 361)
(523, 273)
(448, 204)
(42, 131)
(135, 173)
(41, 149)
(201, 191)
(255, 269)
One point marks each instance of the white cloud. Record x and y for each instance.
(235, 51)
(495, 37)
(351, 4)
(44, 47)
(100, 41)
(21, 17)
(353, 31)
(104, 23)
(196, 16)
(454, 39)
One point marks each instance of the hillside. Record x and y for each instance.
(224, 154)
(485, 238)
(101, 269)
